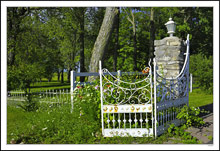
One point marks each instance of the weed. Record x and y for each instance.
(210, 137)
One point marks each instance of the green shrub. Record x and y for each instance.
(202, 69)
(190, 116)
(30, 103)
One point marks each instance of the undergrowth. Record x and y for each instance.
(55, 124)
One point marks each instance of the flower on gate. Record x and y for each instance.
(79, 87)
(96, 87)
(108, 86)
(146, 70)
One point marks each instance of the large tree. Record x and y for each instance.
(103, 38)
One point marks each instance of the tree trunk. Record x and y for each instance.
(58, 75)
(152, 34)
(102, 39)
(68, 75)
(116, 42)
(135, 51)
(81, 37)
(62, 75)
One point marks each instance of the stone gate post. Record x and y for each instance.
(169, 55)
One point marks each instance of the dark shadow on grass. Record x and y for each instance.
(208, 108)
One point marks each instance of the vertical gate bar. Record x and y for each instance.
(170, 115)
(119, 120)
(71, 89)
(155, 99)
(151, 95)
(158, 118)
(135, 121)
(108, 120)
(190, 82)
(124, 121)
(141, 119)
(118, 76)
(187, 55)
(163, 118)
(146, 121)
(130, 119)
(100, 75)
(113, 121)
(166, 115)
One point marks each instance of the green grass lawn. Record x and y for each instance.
(57, 125)
(54, 84)
(198, 98)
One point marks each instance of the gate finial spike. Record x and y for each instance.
(188, 37)
(149, 62)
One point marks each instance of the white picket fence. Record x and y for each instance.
(46, 96)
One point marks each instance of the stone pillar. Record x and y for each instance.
(169, 55)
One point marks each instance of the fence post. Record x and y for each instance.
(155, 98)
(73, 85)
(100, 75)
(190, 82)
(118, 76)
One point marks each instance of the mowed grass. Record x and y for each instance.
(198, 98)
(16, 122)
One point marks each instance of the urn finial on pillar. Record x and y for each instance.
(171, 27)
(169, 53)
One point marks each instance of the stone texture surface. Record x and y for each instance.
(205, 133)
(169, 54)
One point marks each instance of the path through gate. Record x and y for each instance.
(145, 107)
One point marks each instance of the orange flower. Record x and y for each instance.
(108, 86)
(146, 70)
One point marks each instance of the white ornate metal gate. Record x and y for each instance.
(126, 107)
(135, 109)
(170, 94)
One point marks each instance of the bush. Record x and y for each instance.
(202, 69)
(191, 116)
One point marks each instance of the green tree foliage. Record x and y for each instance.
(202, 69)
(43, 41)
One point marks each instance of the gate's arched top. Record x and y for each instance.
(104, 70)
